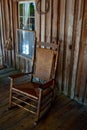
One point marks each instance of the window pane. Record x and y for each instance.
(26, 8)
(32, 11)
(32, 23)
(26, 43)
(26, 23)
(29, 24)
(21, 9)
(21, 22)
(27, 15)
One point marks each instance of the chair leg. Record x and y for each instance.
(38, 108)
(10, 98)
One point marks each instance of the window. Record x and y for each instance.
(26, 27)
(27, 15)
(26, 41)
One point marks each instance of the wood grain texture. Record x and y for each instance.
(68, 114)
(66, 21)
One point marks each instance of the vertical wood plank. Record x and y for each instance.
(1, 36)
(64, 51)
(81, 52)
(48, 25)
(76, 46)
(51, 31)
(38, 25)
(61, 38)
(43, 21)
(11, 31)
(72, 62)
(83, 58)
(54, 20)
(68, 42)
(40, 22)
(4, 27)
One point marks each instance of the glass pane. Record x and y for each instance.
(26, 27)
(27, 15)
(28, 20)
(21, 22)
(26, 23)
(21, 9)
(32, 23)
(26, 43)
(32, 11)
(26, 8)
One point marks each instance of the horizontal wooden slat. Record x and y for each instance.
(24, 108)
(21, 92)
(46, 44)
(24, 101)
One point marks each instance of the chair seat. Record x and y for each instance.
(29, 88)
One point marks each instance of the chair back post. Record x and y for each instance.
(34, 58)
(39, 104)
(56, 51)
(11, 85)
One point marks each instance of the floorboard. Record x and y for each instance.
(65, 114)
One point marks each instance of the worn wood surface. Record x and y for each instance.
(66, 22)
(65, 114)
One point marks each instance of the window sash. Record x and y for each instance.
(22, 19)
(26, 47)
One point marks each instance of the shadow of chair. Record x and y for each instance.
(36, 96)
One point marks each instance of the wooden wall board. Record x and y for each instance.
(61, 37)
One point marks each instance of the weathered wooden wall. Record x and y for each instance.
(7, 24)
(66, 22)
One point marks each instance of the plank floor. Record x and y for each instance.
(65, 114)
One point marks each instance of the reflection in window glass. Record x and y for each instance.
(32, 12)
(26, 42)
(21, 9)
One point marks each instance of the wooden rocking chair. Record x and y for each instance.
(36, 96)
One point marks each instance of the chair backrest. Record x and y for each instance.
(46, 60)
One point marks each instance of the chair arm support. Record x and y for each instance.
(14, 76)
(46, 85)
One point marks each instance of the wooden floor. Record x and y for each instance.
(65, 114)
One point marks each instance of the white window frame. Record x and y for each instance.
(29, 14)
(20, 53)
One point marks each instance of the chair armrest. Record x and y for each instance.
(14, 76)
(47, 84)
